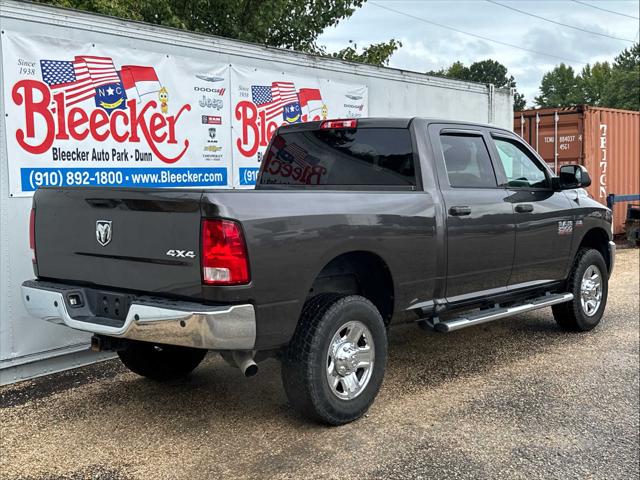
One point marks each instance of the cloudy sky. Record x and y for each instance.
(430, 47)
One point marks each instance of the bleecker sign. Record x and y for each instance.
(91, 115)
(129, 125)
(82, 114)
(263, 100)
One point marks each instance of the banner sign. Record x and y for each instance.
(262, 100)
(84, 114)
(79, 114)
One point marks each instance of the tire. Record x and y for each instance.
(574, 315)
(354, 329)
(161, 362)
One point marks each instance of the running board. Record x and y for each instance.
(496, 313)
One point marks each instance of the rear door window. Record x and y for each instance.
(335, 157)
(467, 161)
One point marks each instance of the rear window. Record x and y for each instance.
(334, 157)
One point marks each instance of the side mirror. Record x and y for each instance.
(572, 176)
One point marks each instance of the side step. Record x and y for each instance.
(496, 313)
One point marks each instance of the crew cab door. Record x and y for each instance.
(480, 229)
(544, 223)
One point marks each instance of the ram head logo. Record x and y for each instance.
(103, 232)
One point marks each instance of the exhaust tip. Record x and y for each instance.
(251, 370)
(244, 361)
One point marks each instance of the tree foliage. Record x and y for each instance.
(593, 82)
(376, 54)
(615, 85)
(559, 88)
(292, 24)
(485, 71)
(623, 87)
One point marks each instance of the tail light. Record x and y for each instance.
(224, 253)
(342, 123)
(32, 234)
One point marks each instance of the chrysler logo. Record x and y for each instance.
(103, 231)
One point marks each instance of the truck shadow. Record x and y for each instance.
(418, 361)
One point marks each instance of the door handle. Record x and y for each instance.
(524, 208)
(459, 211)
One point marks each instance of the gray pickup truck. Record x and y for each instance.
(354, 225)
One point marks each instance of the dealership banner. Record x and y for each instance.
(84, 114)
(262, 100)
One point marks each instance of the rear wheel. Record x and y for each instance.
(334, 365)
(589, 284)
(160, 362)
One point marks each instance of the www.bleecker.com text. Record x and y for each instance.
(99, 155)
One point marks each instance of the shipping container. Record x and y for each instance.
(605, 140)
(218, 78)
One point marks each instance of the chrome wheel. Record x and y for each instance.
(591, 290)
(350, 360)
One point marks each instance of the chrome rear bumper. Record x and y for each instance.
(228, 327)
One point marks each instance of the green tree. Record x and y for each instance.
(559, 88)
(593, 83)
(629, 58)
(614, 85)
(457, 70)
(293, 24)
(485, 71)
(623, 87)
(376, 54)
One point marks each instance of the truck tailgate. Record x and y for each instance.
(153, 244)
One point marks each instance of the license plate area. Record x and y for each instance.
(110, 305)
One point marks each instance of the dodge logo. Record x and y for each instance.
(103, 231)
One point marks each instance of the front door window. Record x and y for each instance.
(519, 168)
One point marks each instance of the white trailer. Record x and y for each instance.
(212, 104)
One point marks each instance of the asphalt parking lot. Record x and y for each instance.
(516, 399)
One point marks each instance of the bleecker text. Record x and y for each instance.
(128, 125)
(257, 130)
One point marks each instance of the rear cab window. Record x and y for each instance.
(340, 157)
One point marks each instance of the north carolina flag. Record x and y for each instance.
(310, 102)
(139, 81)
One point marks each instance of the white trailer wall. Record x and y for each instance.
(29, 347)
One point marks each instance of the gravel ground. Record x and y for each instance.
(511, 399)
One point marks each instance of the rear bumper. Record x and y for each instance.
(226, 327)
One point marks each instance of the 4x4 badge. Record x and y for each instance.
(103, 231)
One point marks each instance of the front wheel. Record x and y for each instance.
(589, 283)
(334, 365)
(160, 362)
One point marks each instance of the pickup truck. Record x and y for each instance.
(354, 225)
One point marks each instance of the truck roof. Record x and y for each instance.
(386, 122)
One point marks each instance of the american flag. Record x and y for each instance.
(273, 98)
(101, 69)
(298, 154)
(79, 78)
(72, 78)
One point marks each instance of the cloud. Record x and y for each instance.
(429, 47)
